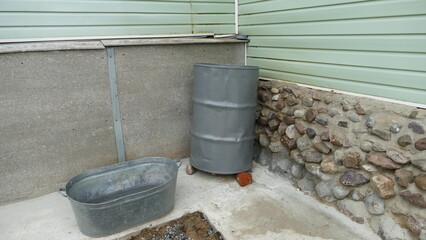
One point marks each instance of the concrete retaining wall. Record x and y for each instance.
(56, 116)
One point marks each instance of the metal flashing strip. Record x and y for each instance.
(24, 40)
(115, 105)
(167, 41)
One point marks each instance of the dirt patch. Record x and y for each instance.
(193, 226)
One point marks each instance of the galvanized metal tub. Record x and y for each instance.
(111, 199)
(223, 118)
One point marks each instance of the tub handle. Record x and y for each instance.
(178, 163)
(62, 192)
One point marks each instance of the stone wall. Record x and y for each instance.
(365, 157)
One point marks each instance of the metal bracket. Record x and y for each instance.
(115, 105)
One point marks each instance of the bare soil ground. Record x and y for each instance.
(192, 226)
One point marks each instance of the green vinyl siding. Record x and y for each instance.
(369, 47)
(80, 18)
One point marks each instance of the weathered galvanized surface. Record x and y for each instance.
(224, 102)
(111, 199)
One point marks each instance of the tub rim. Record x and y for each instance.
(110, 168)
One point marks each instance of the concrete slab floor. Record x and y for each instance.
(270, 208)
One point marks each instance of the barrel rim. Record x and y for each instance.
(226, 66)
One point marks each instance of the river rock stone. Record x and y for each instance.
(291, 110)
(311, 133)
(322, 110)
(370, 122)
(297, 157)
(303, 144)
(314, 169)
(328, 165)
(265, 157)
(291, 144)
(190, 169)
(395, 127)
(383, 185)
(416, 223)
(346, 106)
(374, 204)
(300, 128)
(369, 168)
(306, 185)
(288, 120)
(353, 179)
(360, 130)
(343, 124)
(299, 113)
(366, 146)
(321, 121)
(291, 132)
(295, 92)
(263, 140)
(353, 117)
(316, 95)
(416, 127)
(333, 112)
(338, 155)
(275, 90)
(328, 99)
(351, 160)
(280, 105)
(336, 141)
(420, 164)
(405, 140)
(307, 101)
(262, 121)
(310, 115)
(322, 148)
(385, 135)
(276, 97)
(420, 181)
(276, 147)
(340, 191)
(325, 136)
(273, 124)
(396, 156)
(382, 161)
(357, 195)
(280, 163)
(379, 147)
(291, 100)
(413, 114)
(263, 96)
(324, 190)
(404, 177)
(416, 199)
(359, 110)
(282, 128)
(420, 144)
(297, 171)
(280, 116)
(312, 157)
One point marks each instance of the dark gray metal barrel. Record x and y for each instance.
(223, 117)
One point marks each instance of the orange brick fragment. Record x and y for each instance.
(244, 179)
